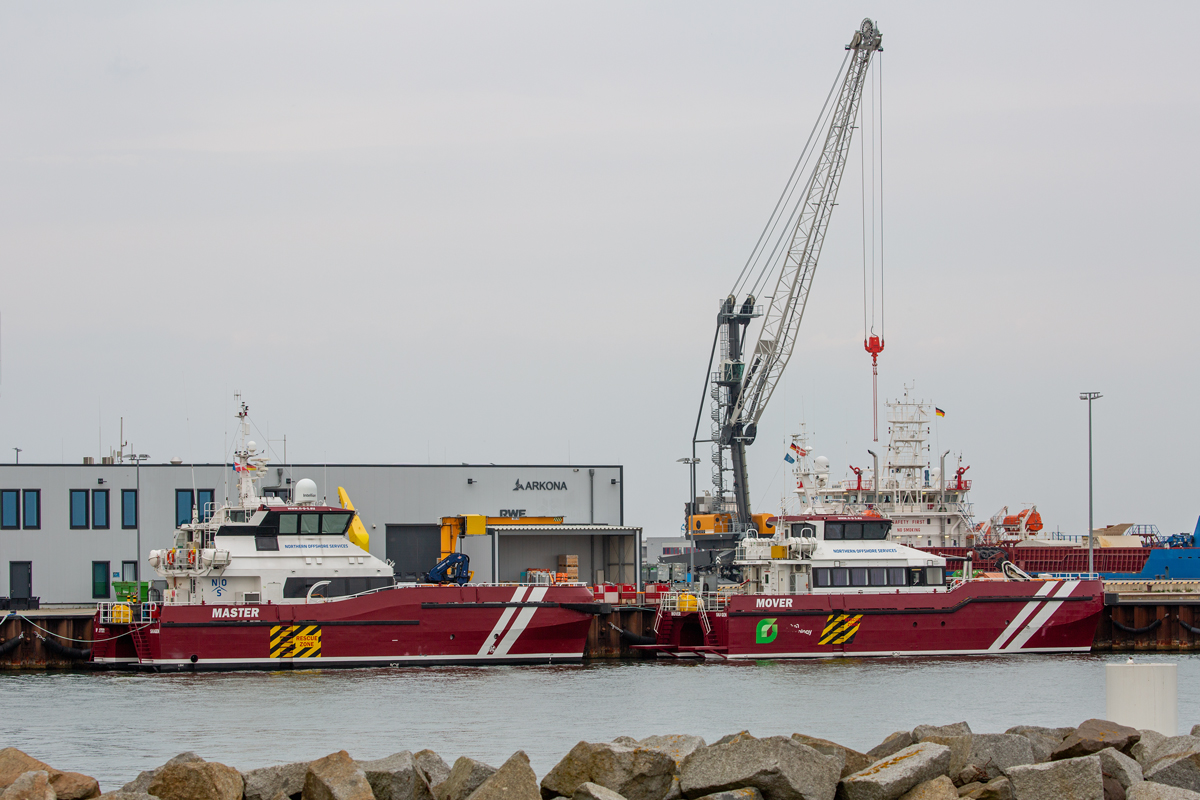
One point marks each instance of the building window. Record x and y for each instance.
(79, 509)
(129, 508)
(183, 506)
(100, 508)
(10, 509)
(100, 580)
(129, 570)
(33, 509)
(204, 503)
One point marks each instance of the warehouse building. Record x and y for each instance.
(68, 531)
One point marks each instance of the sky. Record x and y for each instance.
(471, 232)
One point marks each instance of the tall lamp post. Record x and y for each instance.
(691, 511)
(1090, 396)
(137, 518)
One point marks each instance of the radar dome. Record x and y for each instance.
(251, 446)
(305, 492)
(822, 463)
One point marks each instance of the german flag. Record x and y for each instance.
(938, 411)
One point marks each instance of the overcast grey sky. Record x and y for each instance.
(498, 233)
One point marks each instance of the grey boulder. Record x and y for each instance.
(1093, 736)
(1143, 751)
(892, 744)
(1173, 746)
(432, 766)
(852, 760)
(396, 777)
(960, 751)
(994, 753)
(1146, 790)
(749, 793)
(1065, 779)
(1179, 769)
(197, 780)
(142, 782)
(594, 791)
(465, 777)
(1115, 764)
(953, 729)
(267, 783)
(1043, 740)
(637, 773)
(779, 767)
(995, 789)
(32, 785)
(678, 746)
(940, 788)
(513, 781)
(336, 777)
(893, 776)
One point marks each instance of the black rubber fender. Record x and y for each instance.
(12, 644)
(1143, 629)
(73, 653)
(633, 638)
(1188, 628)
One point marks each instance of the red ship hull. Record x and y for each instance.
(980, 617)
(401, 626)
(1036, 560)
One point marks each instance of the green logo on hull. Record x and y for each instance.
(766, 631)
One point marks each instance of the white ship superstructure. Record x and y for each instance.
(926, 509)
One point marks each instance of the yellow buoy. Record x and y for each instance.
(122, 614)
(689, 602)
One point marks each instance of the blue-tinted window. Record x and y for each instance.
(183, 506)
(204, 503)
(33, 509)
(129, 508)
(79, 508)
(10, 509)
(100, 508)
(100, 580)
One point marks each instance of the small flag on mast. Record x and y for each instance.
(788, 458)
(939, 412)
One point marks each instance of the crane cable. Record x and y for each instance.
(873, 342)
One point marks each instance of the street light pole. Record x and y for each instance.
(691, 511)
(1090, 396)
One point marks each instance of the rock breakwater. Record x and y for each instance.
(1098, 760)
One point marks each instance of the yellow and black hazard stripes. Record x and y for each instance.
(840, 628)
(296, 641)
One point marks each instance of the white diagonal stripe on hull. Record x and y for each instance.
(490, 642)
(1042, 616)
(523, 618)
(1021, 617)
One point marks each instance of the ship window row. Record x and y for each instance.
(838, 531)
(336, 587)
(824, 577)
(312, 523)
(15, 501)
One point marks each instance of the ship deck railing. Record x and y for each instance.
(697, 601)
(126, 613)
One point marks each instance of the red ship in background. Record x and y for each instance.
(268, 584)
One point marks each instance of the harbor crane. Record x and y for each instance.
(788, 249)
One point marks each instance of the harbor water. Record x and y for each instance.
(112, 725)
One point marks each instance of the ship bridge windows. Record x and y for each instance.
(308, 523)
(856, 531)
